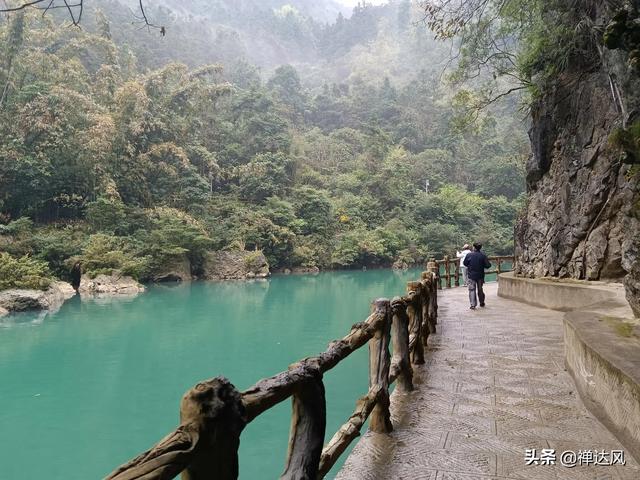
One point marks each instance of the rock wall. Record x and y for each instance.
(235, 265)
(114, 284)
(179, 270)
(582, 218)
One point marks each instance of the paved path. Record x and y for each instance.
(493, 386)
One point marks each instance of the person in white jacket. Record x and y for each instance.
(461, 255)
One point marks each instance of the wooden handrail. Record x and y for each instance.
(447, 276)
(213, 413)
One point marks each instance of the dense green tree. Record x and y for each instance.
(322, 164)
(266, 175)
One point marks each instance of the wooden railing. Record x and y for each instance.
(455, 276)
(213, 413)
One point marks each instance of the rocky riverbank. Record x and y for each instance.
(114, 284)
(220, 265)
(235, 265)
(22, 300)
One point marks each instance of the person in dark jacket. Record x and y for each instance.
(476, 263)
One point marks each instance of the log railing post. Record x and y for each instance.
(349, 431)
(204, 446)
(429, 286)
(434, 267)
(400, 362)
(218, 407)
(415, 323)
(499, 266)
(423, 305)
(306, 438)
(457, 274)
(447, 269)
(379, 365)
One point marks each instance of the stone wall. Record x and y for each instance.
(582, 215)
(601, 345)
(548, 294)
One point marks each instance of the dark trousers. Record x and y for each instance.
(476, 285)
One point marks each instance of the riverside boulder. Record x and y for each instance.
(114, 284)
(178, 270)
(22, 300)
(235, 265)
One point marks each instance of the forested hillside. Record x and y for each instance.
(126, 150)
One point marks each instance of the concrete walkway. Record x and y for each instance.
(493, 386)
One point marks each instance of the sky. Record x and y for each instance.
(353, 3)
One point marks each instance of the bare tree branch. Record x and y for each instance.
(485, 50)
(75, 11)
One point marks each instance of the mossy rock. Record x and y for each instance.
(628, 141)
(614, 33)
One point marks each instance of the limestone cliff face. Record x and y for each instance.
(582, 219)
(235, 265)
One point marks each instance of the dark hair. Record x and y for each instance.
(477, 246)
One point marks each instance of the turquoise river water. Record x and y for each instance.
(87, 388)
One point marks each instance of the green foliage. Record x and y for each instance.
(361, 247)
(104, 254)
(550, 47)
(170, 235)
(508, 46)
(628, 141)
(623, 32)
(21, 226)
(322, 164)
(313, 209)
(310, 252)
(267, 175)
(23, 272)
(105, 215)
(56, 246)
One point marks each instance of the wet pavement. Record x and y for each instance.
(493, 387)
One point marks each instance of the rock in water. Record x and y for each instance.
(22, 300)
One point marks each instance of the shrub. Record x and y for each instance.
(305, 256)
(171, 235)
(56, 245)
(103, 254)
(17, 227)
(23, 272)
(106, 215)
(359, 247)
(254, 260)
(627, 140)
